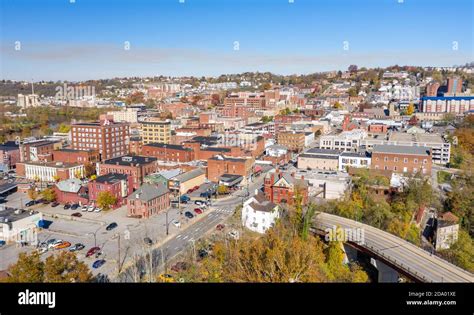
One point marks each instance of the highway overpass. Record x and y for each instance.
(402, 255)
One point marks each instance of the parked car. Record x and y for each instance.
(74, 206)
(76, 247)
(98, 263)
(97, 209)
(199, 203)
(54, 244)
(196, 187)
(62, 245)
(202, 253)
(148, 241)
(42, 250)
(2, 243)
(198, 211)
(30, 203)
(67, 206)
(220, 227)
(76, 214)
(45, 202)
(90, 208)
(111, 226)
(234, 235)
(180, 266)
(188, 215)
(184, 199)
(54, 204)
(164, 277)
(84, 208)
(176, 223)
(92, 251)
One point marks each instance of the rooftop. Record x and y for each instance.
(111, 178)
(148, 192)
(402, 149)
(189, 175)
(168, 146)
(130, 160)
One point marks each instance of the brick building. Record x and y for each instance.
(135, 145)
(71, 191)
(168, 152)
(135, 166)
(108, 137)
(35, 151)
(76, 156)
(294, 141)
(282, 187)
(148, 200)
(9, 155)
(401, 159)
(118, 185)
(219, 165)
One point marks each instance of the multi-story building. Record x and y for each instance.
(76, 156)
(321, 159)
(295, 141)
(401, 159)
(457, 105)
(284, 187)
(168, 152)
(154, 131)
(259, 214)
(324, 184)
(148, 200)
(38, 150)
(128, 115)
(454, 86)
(220, 165)
(440, 148)
(183, 182)
(9, 155)
(432, 89)
(118, 185)
(447, 230)
(49, 171)
(354, 159)
(20, 226)
(135, 166)
(345, 141)
(108, 137)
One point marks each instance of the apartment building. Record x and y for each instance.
(402, 159)
(108, 137)
(49, 171)
(76, 156)
(321, 159)
(220, 165)
(154, 131)
(40, 150)
(168, 152)
(295, 141)
(447, 104)
(344, 141)
(348, 160)
(135, 166)
(440, 148)
(128, 115)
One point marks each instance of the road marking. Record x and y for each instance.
(184, 238)
(179, 236)
(197, 229)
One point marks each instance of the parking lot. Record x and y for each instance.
(90, 230)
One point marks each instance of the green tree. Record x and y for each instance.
(65, 267)
(106, 200)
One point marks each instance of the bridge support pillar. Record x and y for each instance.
(386, 273)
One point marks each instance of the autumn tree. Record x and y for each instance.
(65, 267)
(48, 194)
(222, 190)
(106, 200)
(33, 193)
(28, 268)
(410, 109)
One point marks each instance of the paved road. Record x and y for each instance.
(161, 256)
(401, 253)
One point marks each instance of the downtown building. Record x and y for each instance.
(108, 137)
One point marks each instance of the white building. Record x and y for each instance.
(344, 141)
(19, 225)
(26, 101)
(325, 184)
(129, 115)
(354, 159)
(50, 171)
(259, 214)
(447, 231)
(276, 150)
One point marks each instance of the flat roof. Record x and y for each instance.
(111, 178)
(129, 160)
(189, 175)
(168, 146)
(10, 215)
(401, 149)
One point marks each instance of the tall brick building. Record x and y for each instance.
(220, 165)
(168, 152)
(108, 137)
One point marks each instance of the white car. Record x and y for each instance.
(42, 250)
(176, 223)
(55, 243)
(90, 209)
(84, 208)
(97, 209)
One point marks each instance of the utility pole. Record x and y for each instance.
(119, 260)
(167, 223)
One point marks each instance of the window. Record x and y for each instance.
(405, 160)
(395, 159)
(415, 160)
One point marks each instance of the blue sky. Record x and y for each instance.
(85, 40)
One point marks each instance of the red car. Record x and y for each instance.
(195, 187)
(93, 251)
(76, 214)
(190, 191)
(198, 211)
(220, 227)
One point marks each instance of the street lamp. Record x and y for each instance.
(95, 235)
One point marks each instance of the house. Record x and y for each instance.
(19, 225)
(71, 191)
(447, 230)
(118, 185)
(148, 200)
(259, 214)
(283, 187)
